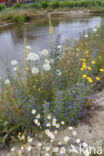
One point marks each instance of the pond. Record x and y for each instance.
(37, 34)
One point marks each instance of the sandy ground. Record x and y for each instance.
(91, 131)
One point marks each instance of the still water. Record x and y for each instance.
(37, 34)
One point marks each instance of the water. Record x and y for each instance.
(37, 34)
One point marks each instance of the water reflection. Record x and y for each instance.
(37, 34)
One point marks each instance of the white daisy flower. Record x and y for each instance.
(29, 139)
(86, 36)
(62, 150)
(74, 133)
(13, 149)
(78, 141)
(59, 72)
(49, 117)
(62, 123)
(33, 111)
(47, 148)
(36, 121)
(57, 125)
(39, 144)
(66, 139)
(70, 128)
(48, 124)
(38, 116)
(15, 68)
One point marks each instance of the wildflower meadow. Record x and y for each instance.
(51, 90)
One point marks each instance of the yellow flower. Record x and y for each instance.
(84, 60)
(84, 65)
(97, 78)
(89, 68)
(86, 52)
(39, 89)
(89, 79)
(99, 56)
(19, 133)
(101, 70)
(84, 76)
(81, 69)
(93, 62)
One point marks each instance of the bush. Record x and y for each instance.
(20, 19)
(2, 6)
(44, 4)
(17, 5)
(54, 4)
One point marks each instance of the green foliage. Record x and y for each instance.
(20, 19)
(2, 7)
(54, 4)
(17, 5)
(44, 4)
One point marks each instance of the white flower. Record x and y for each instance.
(57, 125)
(59, 143)
(7, 81)
(45, 52)
(15, 68)
(33, 111)
(36, 121)
(59, 72)
(55, 149)
(29, 139)
(14, 62)
(86, 152)
(86, 36)
(62, 150)
(94, 29)
(38, 124)
(35, 70)
(54, 123)
(52, 61)
(55, 132)
(54, 119)
(29, 148)
(47, 61)
(47, 148)
(74, 133)
(66, 139)
(78, 141)
(70, 128)
(47, 131)
(39, 144)
(59, 46)
(49, 117)
(62, 123)
(47, 154)
(12, 149)
(46, 67)
(48, 124)
(22, 148)
(38, 116)
(84, 145)
(28, 47)
(33, 57)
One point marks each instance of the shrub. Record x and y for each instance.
(54, 4)
(44, 4)
(2, 6)
(17, 5)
